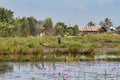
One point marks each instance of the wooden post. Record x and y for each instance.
(105, 75)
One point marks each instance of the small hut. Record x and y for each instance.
(89, 30)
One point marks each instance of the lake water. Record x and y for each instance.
(60, 71)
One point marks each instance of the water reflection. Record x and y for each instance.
(5, 68)
(62, 71)
(43, 66)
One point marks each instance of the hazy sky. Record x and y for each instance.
(69, 11)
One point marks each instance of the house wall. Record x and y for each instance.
(88, 32)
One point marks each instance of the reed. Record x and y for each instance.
(34, 48)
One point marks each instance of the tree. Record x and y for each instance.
(6, 20)
(24, 28)
(48, 23)
(106, 24)
(6, 29)
(91, 23)
(76, 30)
(17, 25)
(40, 23)
(70, 31)
(32, 25)
(60, 29)
(48, 26)
(6, 15)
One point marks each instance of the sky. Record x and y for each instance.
(68, 11)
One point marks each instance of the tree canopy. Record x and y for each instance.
(76, 30)
(6, 15)
(48, 25)
(91, 23)
(60, 29)
(29, 26)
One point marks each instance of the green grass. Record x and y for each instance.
(84, 41)
(32, 49)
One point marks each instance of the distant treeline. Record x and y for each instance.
(23, 27)
(29, 26)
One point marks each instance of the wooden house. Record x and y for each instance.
(89, 30)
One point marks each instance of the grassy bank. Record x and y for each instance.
(70, 49)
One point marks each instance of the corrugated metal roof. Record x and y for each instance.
(89, 28)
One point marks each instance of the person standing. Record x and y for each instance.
(59, 40)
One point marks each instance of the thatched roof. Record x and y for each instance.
(89, 28)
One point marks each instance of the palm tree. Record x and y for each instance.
(91, 23)
(106, 24)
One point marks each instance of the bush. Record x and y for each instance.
(89, 52)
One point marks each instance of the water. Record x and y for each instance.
(60, 71)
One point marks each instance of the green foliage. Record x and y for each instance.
(37, 51)
(6, 15)
(32, 25)
(6, 29)
(71, 48)
(17, 25)
(24, 28)
(91, 23)
(89, 52)
(70, 31)
(75, 50)
(76, 30)
(48, 25)
(73, 31)
(60, 29)
(113, 53)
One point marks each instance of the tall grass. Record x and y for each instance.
(34, 48)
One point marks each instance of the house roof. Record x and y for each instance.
(118, 28)
(89, 28)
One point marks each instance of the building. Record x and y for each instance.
(89, 30)
(117, 29)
